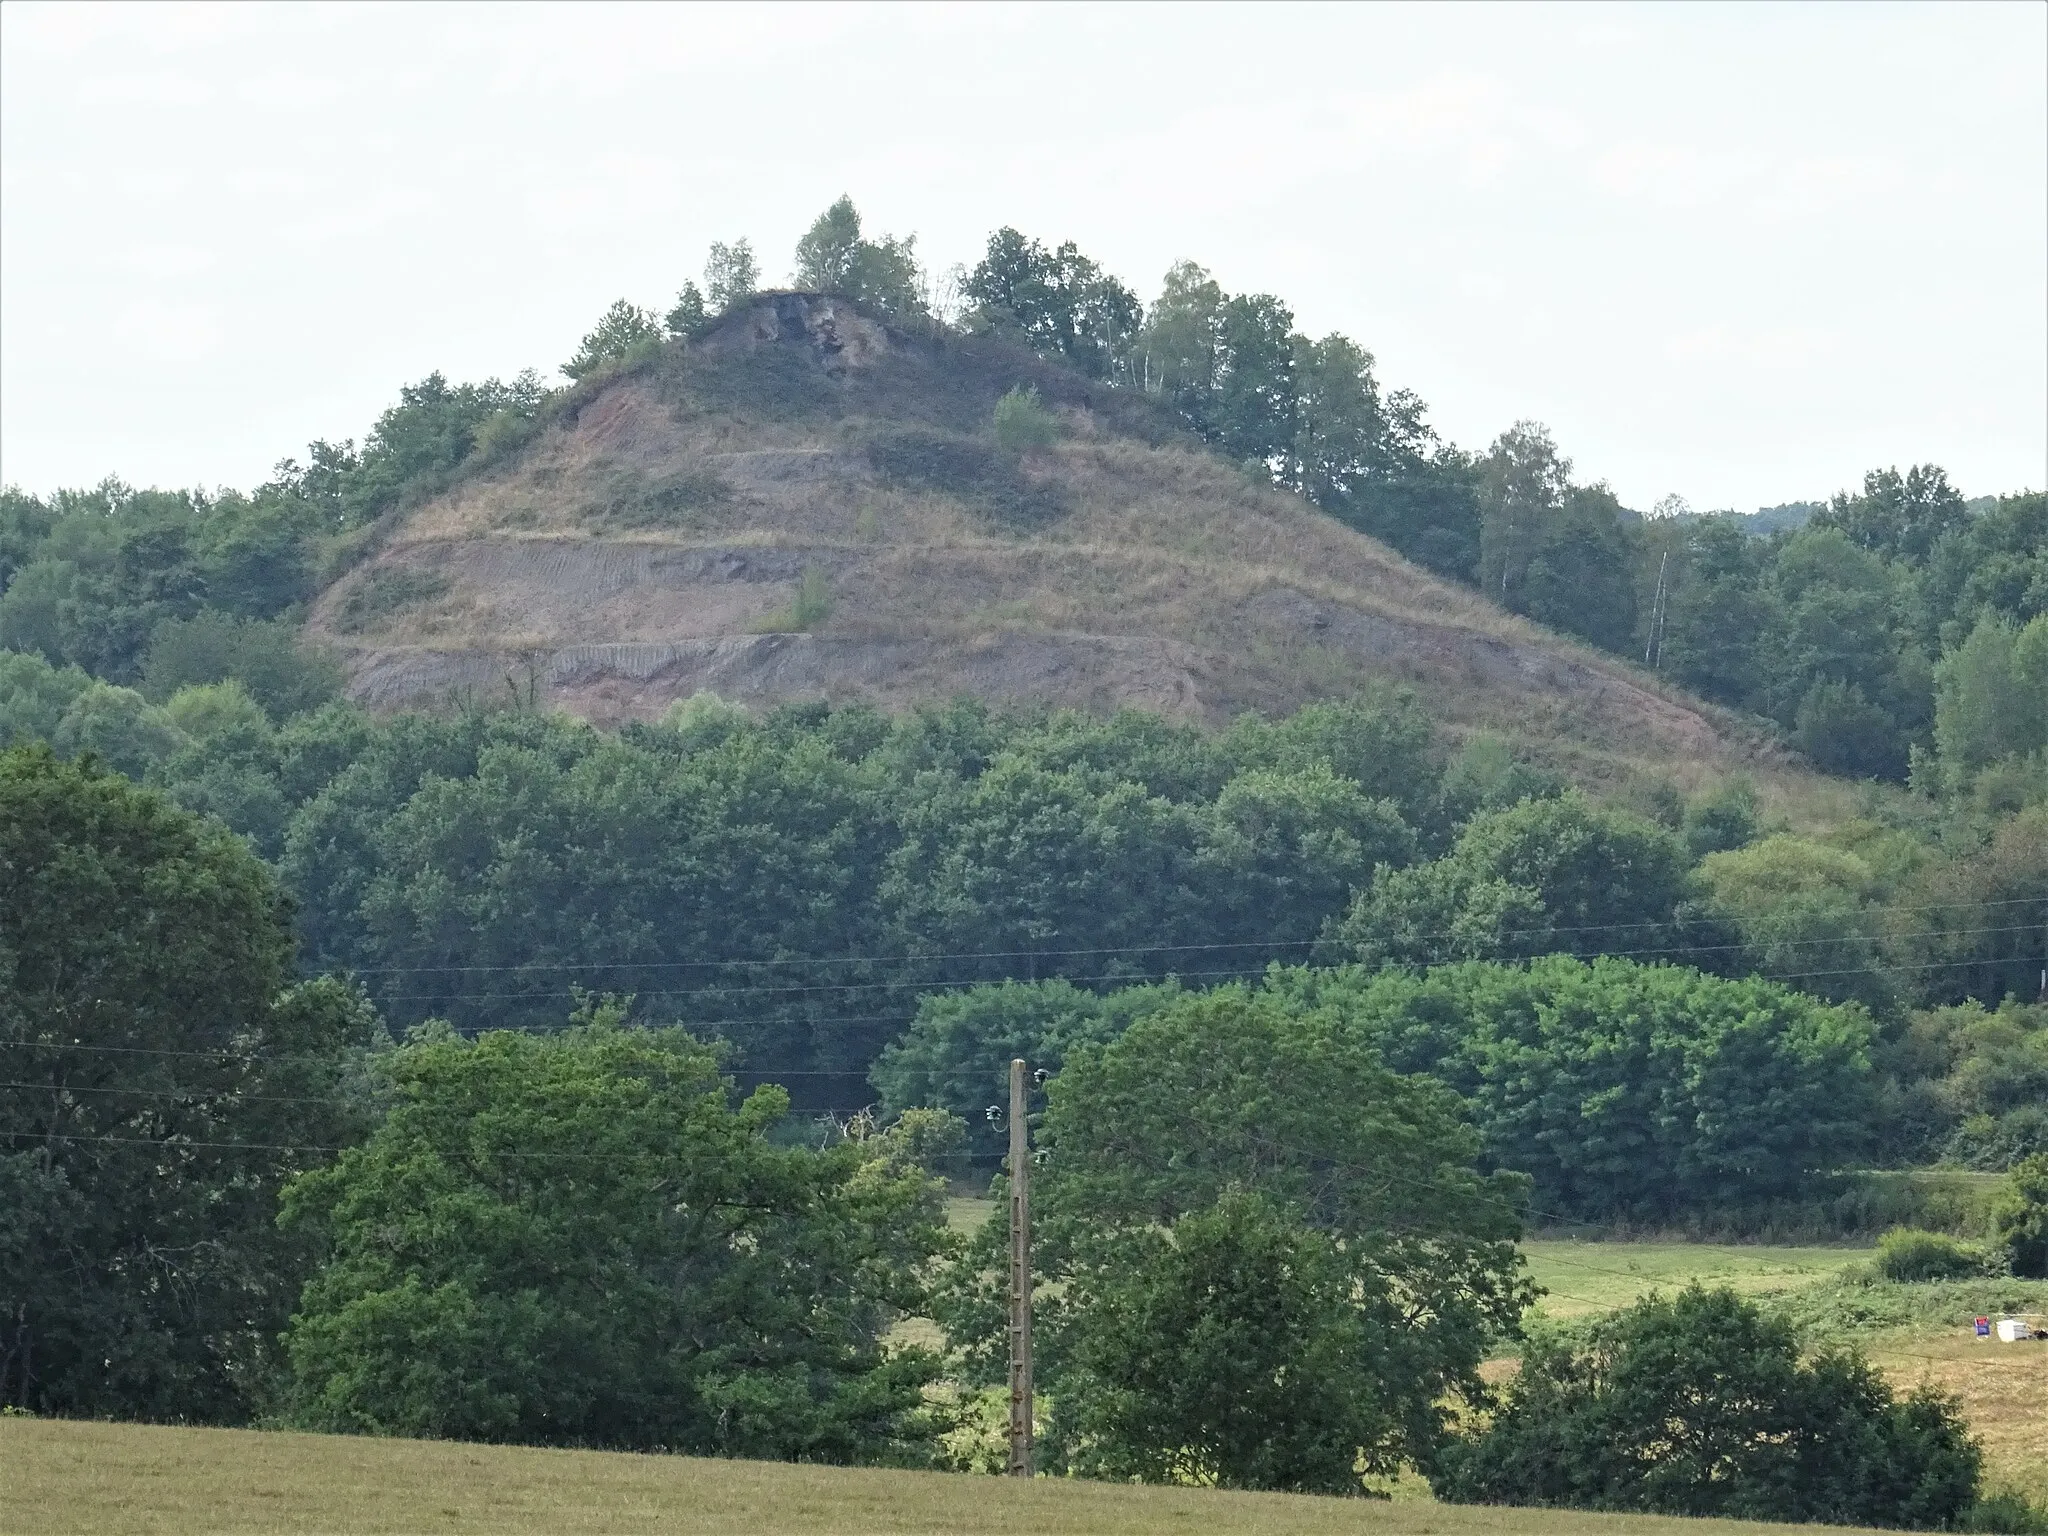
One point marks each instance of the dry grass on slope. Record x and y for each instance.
(641, 550)
(117, 1479)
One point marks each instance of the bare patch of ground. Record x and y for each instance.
(631, 555)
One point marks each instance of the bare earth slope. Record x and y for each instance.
(651, 540)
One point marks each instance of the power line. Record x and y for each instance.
(934, 957)
(837, 1021)
(1136, 979)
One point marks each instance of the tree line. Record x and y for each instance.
(810, 884)
(1278, 1258)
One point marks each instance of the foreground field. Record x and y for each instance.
(112, 1480)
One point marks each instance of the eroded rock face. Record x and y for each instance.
(840, 337)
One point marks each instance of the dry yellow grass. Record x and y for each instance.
(130, 1480)
(2003, 1389)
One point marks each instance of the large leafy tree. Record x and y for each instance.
(1255, 404)
(1699, 1405)
(1179, 348)
(1547, 874)
(1057, 302)
(1904, 515)
(833, 257)
(1625, 1089)
(578, 1240)
(159, 1078)
(1269, 1259)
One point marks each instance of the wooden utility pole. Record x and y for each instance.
(1020, 1272)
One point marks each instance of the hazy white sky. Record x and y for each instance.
(1739, 252)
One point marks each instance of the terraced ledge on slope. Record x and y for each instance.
(639, 679)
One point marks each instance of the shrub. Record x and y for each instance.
(2006, 1513)
(384, 592)
(632, 499)
(811, 606)
(985, 478)
(1908, 1254)
(2021, 1218)
(1700, 1405)
(1022, 423)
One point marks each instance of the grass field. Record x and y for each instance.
(75, 1477)
(2003, 1389)
(130, 1480)
(1586, 1277)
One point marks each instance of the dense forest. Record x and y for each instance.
(398, 977)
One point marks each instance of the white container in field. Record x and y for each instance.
(2012, 1330)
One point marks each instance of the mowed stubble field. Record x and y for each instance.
(137, 1480)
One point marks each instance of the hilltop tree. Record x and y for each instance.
(730, 275)
(621, 328)
(1178, 350)
(1255, 401)
(833, 257)
(1058, 302)
(688, 312)
(1899, 515)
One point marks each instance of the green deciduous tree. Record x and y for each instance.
(1253, 413)
(577, 1240)
(1544, 875)
(1902, 515)
(730, 275)
(1230, 1349)
(34, 696)
(1179, 346)
(281, 670)
(956, 1054)
(619, 332)
(1699, 1405)
(1526, 480)
(1800, 910)
(119, 727)
(1220, 1148)
(2020, 1219)
(1622, 1089)
(1977, 915)
(832, 257)
(1991, 696)
(1057, 302)
(162, 1078)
